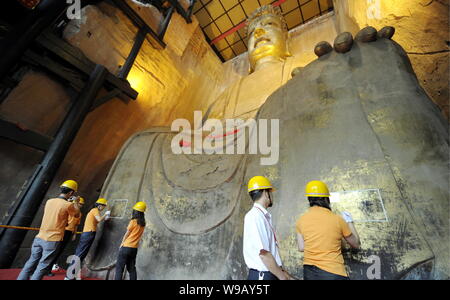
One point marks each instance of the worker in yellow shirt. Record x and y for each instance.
(89, 231)
(130, 242)
(70, 233)
(319, 235)
(51, 233)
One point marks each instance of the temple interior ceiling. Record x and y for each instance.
(216, 17)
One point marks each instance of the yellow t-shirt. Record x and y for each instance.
(136, 231)
(73, 223)
(56, 214)
(322, 232)
(90, 224)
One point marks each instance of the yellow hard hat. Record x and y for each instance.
(81, 200)
(140, 206)
(71, 184)
(102, 201)
(259, 183)
(317, 188)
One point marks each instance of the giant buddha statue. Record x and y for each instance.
(267, 52)
(355, 118)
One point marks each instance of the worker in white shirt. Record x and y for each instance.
(261, 253)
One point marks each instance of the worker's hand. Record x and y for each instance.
(74, 237)
(290, 277)
(107, 215)
(347, 217)
(284, 276)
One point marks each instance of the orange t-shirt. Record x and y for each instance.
(54, 221)
(90, 224)
(73, 223)
(322, 232)
(136, 231)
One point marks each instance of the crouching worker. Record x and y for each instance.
(319, 235)
(93, 218)
(130, 242)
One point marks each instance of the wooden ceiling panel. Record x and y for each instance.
(237, 15)
(212, 31)
(224, 23)
(293, 19)
(216, 17)
(233, 38)
(215, 9)
(249, 6)
(228, 4)
(227, 54)
(220, 45)
(288, 6)
(310, 10)
(203, 17)
(325, 4)
(239, 48)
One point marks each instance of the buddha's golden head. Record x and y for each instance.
(267, 36)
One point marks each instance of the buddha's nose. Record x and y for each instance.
(259, 32)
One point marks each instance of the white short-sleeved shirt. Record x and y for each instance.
(258, 235)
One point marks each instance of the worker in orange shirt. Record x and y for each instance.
(93, 218)
(70, 234)
(130, 242)
(51, 233)
(319, 235)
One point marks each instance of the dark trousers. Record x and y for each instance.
(255, 275)
(127, 257)
(86, 240)
(66, 239)
(315, 273)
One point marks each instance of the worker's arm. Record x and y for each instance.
(74, 208)
(352, 239)
(104, 217)
(269, 261)
(125, 237)
(300, 242)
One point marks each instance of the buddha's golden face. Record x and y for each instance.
(266, 39)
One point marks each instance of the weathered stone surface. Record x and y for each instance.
(422, 29)
(343, 42)
(296, 71)
(171, 83)
(322, 48)
(367, 34)
(386, 32)
(380, 131)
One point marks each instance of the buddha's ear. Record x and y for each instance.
(288, 52)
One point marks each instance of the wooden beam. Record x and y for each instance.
(68, 75)
(105, 98)
(185, 14)
(21, 135)
(77, 59)
(140, 23)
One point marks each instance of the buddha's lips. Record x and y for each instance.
(261, 40)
